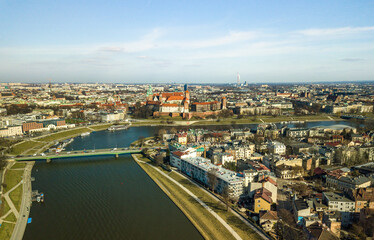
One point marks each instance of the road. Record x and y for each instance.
(20, 227)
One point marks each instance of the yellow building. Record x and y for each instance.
(262, 200)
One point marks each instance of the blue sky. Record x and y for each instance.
(186, 41)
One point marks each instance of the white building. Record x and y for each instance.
(341, 204)
(176, 156)
(112, 117)
(276, 147)
(198, 168)
(11, 131)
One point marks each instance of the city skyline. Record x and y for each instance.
(193, 42)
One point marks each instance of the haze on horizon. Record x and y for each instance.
(186, 41)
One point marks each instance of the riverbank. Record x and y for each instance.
(16, 201)
(216, 223)
(234, 120)
(40, 144)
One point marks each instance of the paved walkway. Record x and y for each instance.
(232, 211)
(22, 214)
(7, 198)
(223, 222)
(20, 227)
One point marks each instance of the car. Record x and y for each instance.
(68, 152)
(114, 149)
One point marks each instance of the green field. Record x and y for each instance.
(200, 217)
(16, 196)
(64, 134)
(4, 208)
(101, 127)
(12, 178)
(11, 218)
(24, 146)
(18, 165)
(6, 230)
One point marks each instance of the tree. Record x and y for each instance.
(159, 159)
(160, 133)
(226, 192)
(173, 131)
(141, 141)
(226, 113)
(2, 162)
(230, 166)
(212, 178)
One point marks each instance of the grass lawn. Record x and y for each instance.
(101, 127)
(18, 165)
(241, 228)
(207, 225)
(4, 208)
(12, 178)
(16, 196)
(6, 230)
(11, 218)
(22, 147)
(64, 134)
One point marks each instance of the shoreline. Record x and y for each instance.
(168, 194)
(153, 122)
(24, 212)
(14, 198)
(206, 219)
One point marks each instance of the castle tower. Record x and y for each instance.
(149, 93)
(224, 103)
(187, 96)
(186, 106)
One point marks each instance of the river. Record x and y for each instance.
(106, 198)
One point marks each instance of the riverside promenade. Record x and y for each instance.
(19, 202)
(24, 211)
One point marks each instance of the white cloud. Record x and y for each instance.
(317, 32)
(152, 41)
(232, 37)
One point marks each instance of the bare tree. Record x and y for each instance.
(161, 133)
(159, 159)
(226, 195)
(173, 131)
(141, 141)
(212, 178)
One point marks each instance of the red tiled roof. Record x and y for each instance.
(264, 194)
(172, 98)
(270, 215)
(153, 103)
(169, 105)
(178, 153)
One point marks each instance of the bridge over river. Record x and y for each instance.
(80, 153)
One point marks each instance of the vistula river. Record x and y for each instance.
(106, 198)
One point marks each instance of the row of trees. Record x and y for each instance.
(212, 184)
(16, 109)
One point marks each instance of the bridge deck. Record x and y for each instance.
(80, 153)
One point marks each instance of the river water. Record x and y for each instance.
(106, 198)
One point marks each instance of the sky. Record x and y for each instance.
(186, 41)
